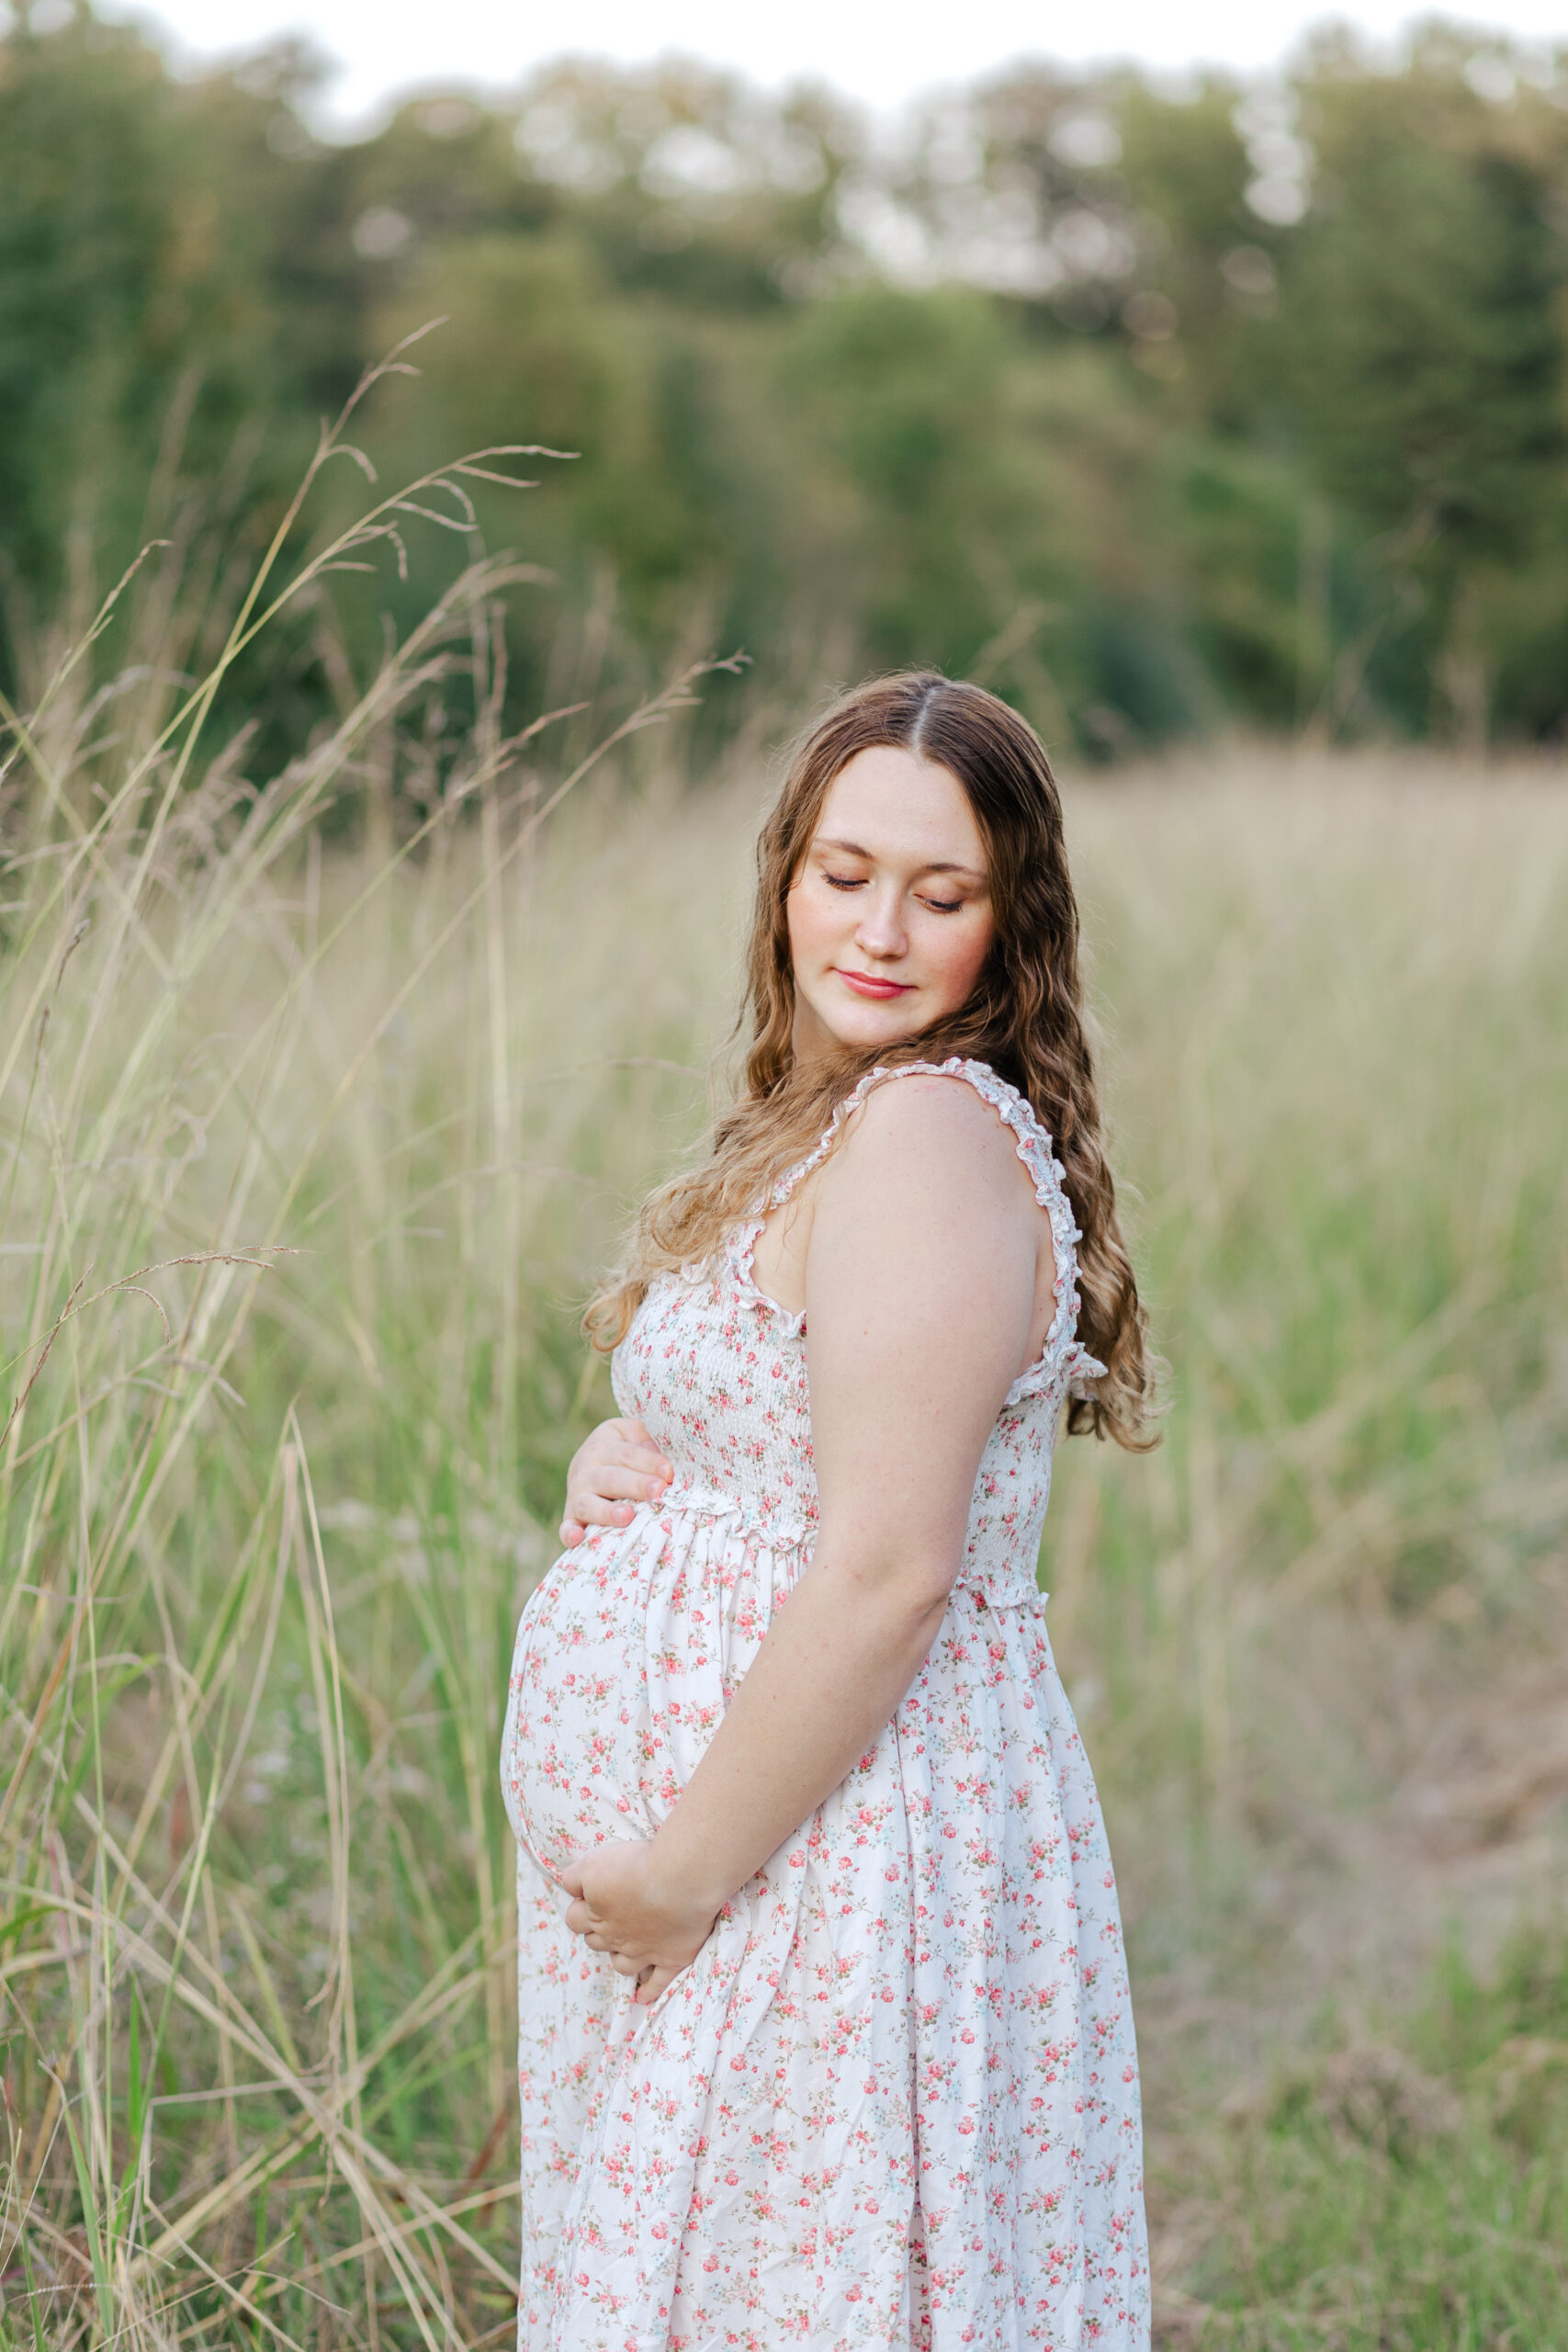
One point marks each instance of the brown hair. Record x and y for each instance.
(1024, 1019)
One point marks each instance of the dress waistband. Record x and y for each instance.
(1004, 1588)
(706, 1503)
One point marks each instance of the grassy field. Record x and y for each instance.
(321, 1108)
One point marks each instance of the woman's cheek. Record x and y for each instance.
(960, 961)
(810, 927)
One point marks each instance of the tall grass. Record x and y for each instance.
(324, 1099)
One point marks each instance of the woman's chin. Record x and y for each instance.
(834, 1020)
(869, 1027)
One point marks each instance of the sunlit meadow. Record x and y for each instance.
(322, 1101)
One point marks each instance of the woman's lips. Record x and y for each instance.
(863, 984)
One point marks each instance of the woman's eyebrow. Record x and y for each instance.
(937, 866)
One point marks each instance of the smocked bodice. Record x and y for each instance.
(716, 1373)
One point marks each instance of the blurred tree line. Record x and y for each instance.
(1155, 408)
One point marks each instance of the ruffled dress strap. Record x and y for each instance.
(1063, 1360)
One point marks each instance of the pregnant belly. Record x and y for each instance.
(626, 1657)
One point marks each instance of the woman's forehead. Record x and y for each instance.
(884, 802)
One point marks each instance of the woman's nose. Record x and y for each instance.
(880, 931)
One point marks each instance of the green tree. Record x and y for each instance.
(1154, 406)
(1424, 335)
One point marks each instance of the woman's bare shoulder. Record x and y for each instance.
(926, 1233)
(936, 1124)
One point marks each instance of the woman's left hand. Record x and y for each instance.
(624, 1906)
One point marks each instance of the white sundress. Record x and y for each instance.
(893, 2104)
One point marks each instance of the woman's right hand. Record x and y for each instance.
(616, 1467)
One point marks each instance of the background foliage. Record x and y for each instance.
(1156, 410)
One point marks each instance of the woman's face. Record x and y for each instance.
(890, 918)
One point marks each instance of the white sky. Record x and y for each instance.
(880, 51)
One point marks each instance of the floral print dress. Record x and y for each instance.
(893, 2102)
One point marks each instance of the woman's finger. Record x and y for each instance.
(609, 1510)
(590, 1501)
(645, 1460)
(571, 1533)
(624, 1441)
(652, 1982)
(617, 1482)
(591, 1510)
(598, 1511)
(609, 1448)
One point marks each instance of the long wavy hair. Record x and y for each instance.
(1025, 1019)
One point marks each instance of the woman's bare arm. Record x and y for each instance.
(919, 1291)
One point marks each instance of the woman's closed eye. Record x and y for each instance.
(858, 882)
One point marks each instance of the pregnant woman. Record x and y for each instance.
(825, 2030)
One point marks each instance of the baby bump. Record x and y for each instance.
(618, 1681)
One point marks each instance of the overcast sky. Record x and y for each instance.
(878, 50)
